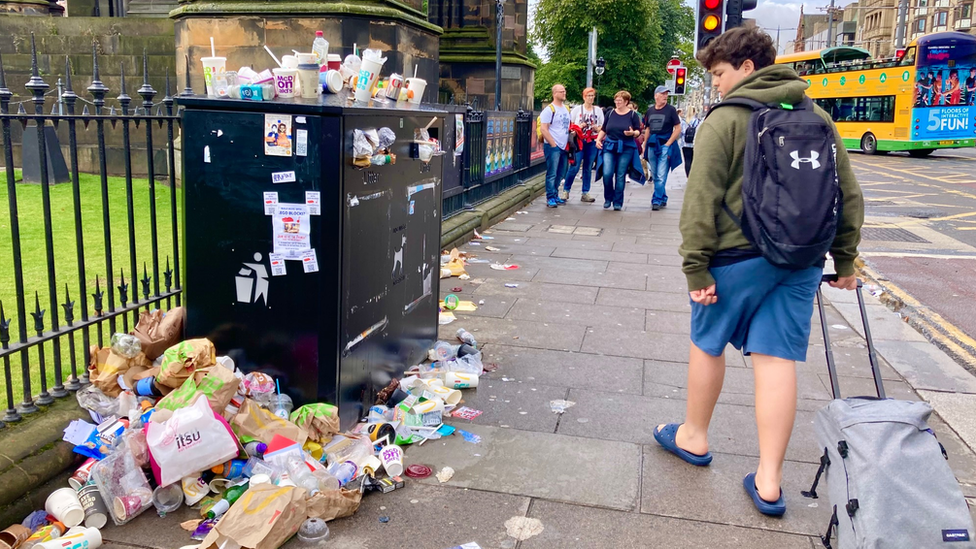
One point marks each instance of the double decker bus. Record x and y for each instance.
(920, 101)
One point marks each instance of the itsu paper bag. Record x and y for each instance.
(193, 439)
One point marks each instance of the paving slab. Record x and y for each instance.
(848, 361)
(632, 418)
(622, 257)
(637, 344)
(550, 466)
(550, 292)
(957, 410)
(886, 325)
(600, 280)
(864, 386)
(962, 459)
(660, 377)
(649, 249)
(493, 306)
(926, 367)
(714, 494)
(518, 403)
(676, 284)
(423, 516)
(486, 330)
(149, 530)
(573, 527)
(484, 270)
(567, 242)
(567, 369)
(576, 313)
(669, 260)
(519, 248)
(668, 322)
(575, 265)
(661, 301)
(658, 272)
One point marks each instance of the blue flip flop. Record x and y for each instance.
(665, 437)
(771, 508)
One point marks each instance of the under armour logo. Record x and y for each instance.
(813, 160)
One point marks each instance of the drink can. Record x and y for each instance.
(393, 91)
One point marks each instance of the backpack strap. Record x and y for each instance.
(750, 104)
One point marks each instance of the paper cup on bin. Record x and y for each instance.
(212, 68)
(369, 72)
(392, 458)
(289, 61)
(335, 61)
(63, 505)
(89, 538)
(333, 81)
(13, 536)
(96, 513)
(80, 477)
(460, 380)
(451, 396)
(308, 78)
(417, 86)
(286, 82)
(126, 507)
(433, 405)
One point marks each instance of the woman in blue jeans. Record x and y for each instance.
(616, 140)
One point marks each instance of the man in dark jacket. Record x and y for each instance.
(738, 296)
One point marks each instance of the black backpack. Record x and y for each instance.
(791, 198)
(689, 137)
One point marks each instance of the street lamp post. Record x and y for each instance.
(499, 19)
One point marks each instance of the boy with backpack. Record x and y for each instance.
(755, 231)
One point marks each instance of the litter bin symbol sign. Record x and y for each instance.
(252, 282)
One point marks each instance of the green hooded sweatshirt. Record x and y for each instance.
(716, 176)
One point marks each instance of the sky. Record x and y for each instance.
(768, 14)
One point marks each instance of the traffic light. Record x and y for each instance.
(679, 80)
(734, 9)
(710, 18)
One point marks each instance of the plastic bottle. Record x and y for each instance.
(327, 482)
(444, 351)
(223, 505)
(320, 47)
(344, 472)
(466, 337)
(232, 469)
(255, 448)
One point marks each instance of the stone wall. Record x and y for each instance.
(120, 43)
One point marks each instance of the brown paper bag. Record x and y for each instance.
(183, 359)
(258, 423)
(265, 517)
(106, 367)
(158, 332)
(320, 421)
(334, 504)
(216, 382)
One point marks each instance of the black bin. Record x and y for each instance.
(342, 333)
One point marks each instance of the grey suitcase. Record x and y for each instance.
(887, 476)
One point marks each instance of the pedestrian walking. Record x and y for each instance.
(687, 139)
(739, 296)
(589, 118)
(661, 131)
(617, 141)
(555, 131)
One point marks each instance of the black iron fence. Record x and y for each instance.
(127, 276)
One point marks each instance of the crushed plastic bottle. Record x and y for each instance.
(443, 351)
(313, 530)
(466, 337)
(470, 364)
(126, 345)
(560, 406)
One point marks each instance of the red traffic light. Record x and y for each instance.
(899, 53)
(680, 76)
(713, 4)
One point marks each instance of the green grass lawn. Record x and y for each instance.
(35, 266)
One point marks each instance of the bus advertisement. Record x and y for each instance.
(918, 102)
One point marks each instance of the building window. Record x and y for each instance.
(920, 25)
(860, 109)
(966, 11)
(923, 3)
(941, 18)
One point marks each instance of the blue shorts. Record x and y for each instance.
(761, 309)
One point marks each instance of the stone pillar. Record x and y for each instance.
(242, 28)
(31, 7)
(468, 52)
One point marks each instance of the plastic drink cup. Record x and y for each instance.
(369, 72)
(460, 380)
(286, 82)
(167, 498)
(64, 505)
(289, 61)
(212, 68)
(417, 87)
(96, 513)
(391, 456)
(80, 478)
(89, 538)
(335, 61)
(307, 58)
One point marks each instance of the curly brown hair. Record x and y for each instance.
(736, 45)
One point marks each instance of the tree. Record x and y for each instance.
(636, 38)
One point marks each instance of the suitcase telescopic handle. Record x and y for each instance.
(872, 355)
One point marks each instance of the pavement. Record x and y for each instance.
(600, 317)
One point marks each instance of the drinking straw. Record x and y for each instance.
(272, 55)
(355, 51)
(213, 50)
(415, 70)
(295, 52)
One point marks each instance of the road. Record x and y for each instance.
(919, 240)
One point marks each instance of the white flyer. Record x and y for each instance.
(270, 202)
(278, 266)
(313, 199)
(301, 142)
(290, 224)
(309, 262)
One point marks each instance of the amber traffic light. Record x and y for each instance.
(679, 80)
(710, 17)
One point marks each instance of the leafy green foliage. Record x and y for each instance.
(636, 38)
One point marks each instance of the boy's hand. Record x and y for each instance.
(705, 296)
(844, 282)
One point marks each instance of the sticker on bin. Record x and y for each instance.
(283, 177)
(277, 135)
(313, 199)
(309, 262)
(301, 142)
(270, 203)
(278, 267)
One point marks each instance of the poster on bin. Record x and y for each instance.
(290, 224)
(277, 135)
